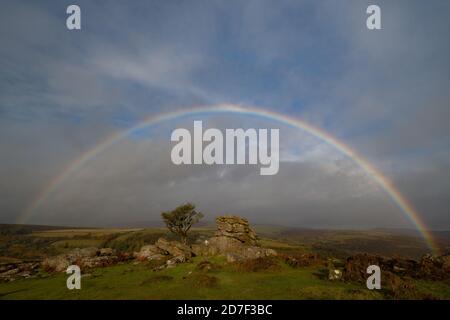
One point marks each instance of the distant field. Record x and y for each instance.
(81, 232)
(19, 242)
(345, 242)
(30, 242)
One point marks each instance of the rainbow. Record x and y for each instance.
(375, 174)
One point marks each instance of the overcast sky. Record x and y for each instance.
(384, 93)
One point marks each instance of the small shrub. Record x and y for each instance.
(304, 260)
(255, 265)
(322, 273)
(155, 264)
(156, 279)
(207, 265)
(204, 280)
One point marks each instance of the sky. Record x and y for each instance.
(384, 93)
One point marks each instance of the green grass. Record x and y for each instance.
(439, 289)
(77, 243)
(130, 281)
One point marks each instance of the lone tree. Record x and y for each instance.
(180, 220)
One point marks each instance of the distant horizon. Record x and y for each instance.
(211, 223)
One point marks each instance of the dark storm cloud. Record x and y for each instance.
(385, 93)
(134, 181)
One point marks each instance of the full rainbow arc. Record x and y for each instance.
(382, 180)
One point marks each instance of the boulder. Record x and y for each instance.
(235, 240)
(224, 244)
(254, 252)
(56, 264)
(199, 250)
(248, 253)
(174, 248)
(233, 257)
(99, 261)
(6, 267)
(149, 252)
(106, 252)
(334, 274)
(234, 227)
(84, 258)
(156, 256)
(173, 252)
(13, 271)
(174, 261)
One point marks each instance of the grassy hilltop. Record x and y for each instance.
(260, 279)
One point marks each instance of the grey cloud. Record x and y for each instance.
(384, 94)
